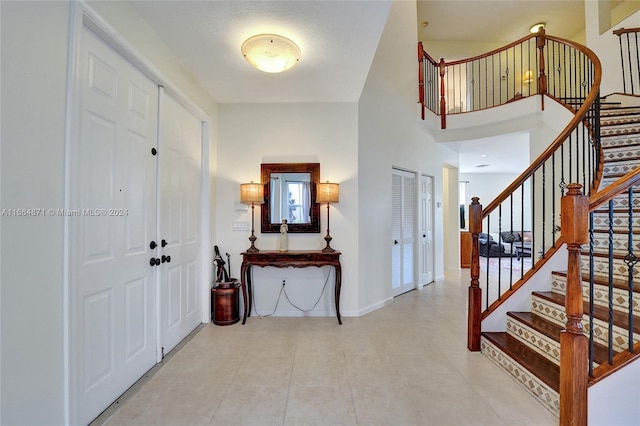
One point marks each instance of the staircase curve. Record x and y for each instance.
(577, 200)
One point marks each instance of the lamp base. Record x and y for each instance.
(328, 248)
(253, 248)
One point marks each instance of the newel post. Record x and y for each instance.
(421, 77)
(574, 350)
(474, 320)
(443, 102)
(541, 41)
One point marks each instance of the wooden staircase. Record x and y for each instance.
(529, 350)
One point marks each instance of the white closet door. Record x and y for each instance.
(180, 206)
(110, 224)
(403, 231)
(426, 274)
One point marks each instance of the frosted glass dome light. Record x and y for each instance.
(270, 52)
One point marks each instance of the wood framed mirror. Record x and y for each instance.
(290, 193)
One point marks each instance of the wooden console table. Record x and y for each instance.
(295, 259)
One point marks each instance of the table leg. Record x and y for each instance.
(338, 269)
(250, 290)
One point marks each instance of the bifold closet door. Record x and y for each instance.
(403, 231)
(179, 231)
(111, 221)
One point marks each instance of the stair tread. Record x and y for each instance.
(620, 319)
(599, 280)
(538, 323)
(597, 253)
(542, 368)
(552, 330)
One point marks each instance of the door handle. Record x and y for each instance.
(164, 243)
(395, 241)
(166, 258)
(153, 245)
(154, 261)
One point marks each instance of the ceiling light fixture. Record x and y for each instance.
(537, 27)
(270, 52)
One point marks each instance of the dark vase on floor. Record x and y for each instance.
(225, 302)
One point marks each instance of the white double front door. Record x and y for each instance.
(132, 183)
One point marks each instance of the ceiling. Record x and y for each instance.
(497, 21)
(336, 53)
(338, 40)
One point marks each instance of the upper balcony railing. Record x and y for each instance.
(629, 59)
(534, 65)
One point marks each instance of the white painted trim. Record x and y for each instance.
(157, 238)
(205, 229)
(72, 123)
(367, 309)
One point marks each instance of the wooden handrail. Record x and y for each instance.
(616, 188)
(573, 124)
(625, 31)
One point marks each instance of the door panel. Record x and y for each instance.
(403, 229)
(426, 274)
(180, 206)
(112, 201)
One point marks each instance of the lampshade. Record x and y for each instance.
(251, 193)
(270, 52)
(527, 77)
(328, 193)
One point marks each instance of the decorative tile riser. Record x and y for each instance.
(613, 110)
(619, 167)
(600, 295)
(619, 122)
(620, 201)
(620, 141)
(556, 314)
(619, 130)
(620, 243)
(620, 221)
(538, 389)
(621, 153)
(601, 268)
(537, 341)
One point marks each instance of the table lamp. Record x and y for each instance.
(328, 193)
(252, 193)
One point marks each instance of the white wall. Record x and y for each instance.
(391, 133)
(34, 65)
(616, 400)
(487, 186)
(325, 133)
(607, 46)
(32, 300)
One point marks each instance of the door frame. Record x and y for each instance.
(432, 255)
(81, 15)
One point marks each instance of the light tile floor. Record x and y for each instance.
(404, 364)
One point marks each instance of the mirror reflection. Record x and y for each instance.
(290, 193)
(290, 197)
